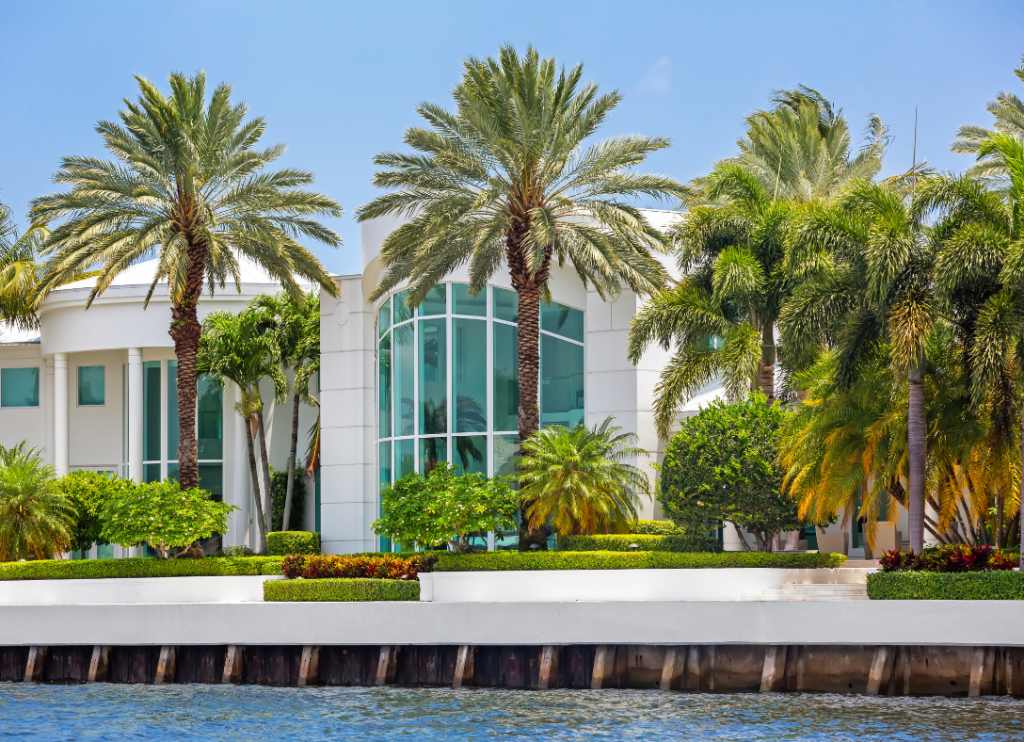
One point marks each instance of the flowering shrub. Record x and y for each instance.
(385, 567)
(956, 558)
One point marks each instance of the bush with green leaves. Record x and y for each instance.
(281, 543)
(278, 495)
(999, 585)
(723, 466)
(444, 508)
(515, 561)
(655, 528)
(101, 569)
(88, 491)
(162, 515)
(642, 542)
(340, 590)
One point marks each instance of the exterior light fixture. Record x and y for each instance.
(634, 547)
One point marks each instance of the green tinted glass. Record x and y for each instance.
(562, 320)
(384, 386)
(433, 451)
(384, 318)
(470, 375)
(470, 454)
(173, 431)
(506, 378)
(151, 414)
(561, 384)
(210, 420)
(402, 311)
(91, 386)
(405, 457)
(404, 379)
(19, 387)
(466, 304)
(436, 301)
(433, 376)
(506, 304)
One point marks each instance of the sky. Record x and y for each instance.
(339, 82)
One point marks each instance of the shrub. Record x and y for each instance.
(655, 528)
(341, 590)
(36, 518)
(384, 566)
(278, 492)
(163, 515)
(622, 542)
(999, 585)
(723, 466)
(444, 508)
(544, 560)
(99, 569)
(88, 491)
(236, 551)
(953, 558)
(293, 542)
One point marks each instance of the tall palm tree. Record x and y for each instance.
(36, 518)
(235, 348)
(189, 186)
(19, 272)
(1008, 113)
(864, 270)
(294, 324)
(579, 479)
(510, 179)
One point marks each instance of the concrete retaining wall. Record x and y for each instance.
(150, 590)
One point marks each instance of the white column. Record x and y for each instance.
(61, 434)
(135, 414)
(48, 388)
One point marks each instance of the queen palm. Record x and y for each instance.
(580, 480)
(189, 186)
(19, 271)
(509, 179)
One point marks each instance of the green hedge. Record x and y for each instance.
(622, 542)
(513, 560)
(341, 590)
(655, 528)
(94, 569)
(1001, 585)
(281, 543)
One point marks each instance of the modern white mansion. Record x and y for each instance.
(399, 390)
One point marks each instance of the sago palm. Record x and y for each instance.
(189, 186)
(235, 348)
(36, 518)
(580, 481)
(509, 180)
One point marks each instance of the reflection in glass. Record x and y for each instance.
(91, 387)
(402, 311)
(466, 304)
(19, 387)
(384, 318)
(433, 376)
(210, 419)
(506, 377)
(211, 479)
(385, 463)
(561, 382)
(433, 452)
(470, 454)
(405, 379)
(405, 458)
(506, 448)
(384, 387)
(470, 375)
(562, 320)
(436, 301)
(151, 414)
(506, 304)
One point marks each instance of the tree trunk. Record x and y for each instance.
(255, 476)
(1020, 565)
(529, 381)
(768, 362)
(286, 521)
(185, 331)
(268, 503)
(917, 447)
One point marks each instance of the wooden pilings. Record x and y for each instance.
(233, 664)
(35, 665)
(99, 664)
(309, 666)
(165, 665)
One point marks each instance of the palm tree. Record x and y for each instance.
(35, 517)
(1008, 111)
(19, 272)
(578, 480)
(189, 186)
(509, 178)
(295, 327)
(864, 277)
(234, 348)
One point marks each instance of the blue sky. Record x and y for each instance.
(339, 81)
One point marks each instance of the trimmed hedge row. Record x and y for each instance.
(281, 543)
(1000, 585)
(340, 590)
(99, 569)
(543, 560)
(622, 542)
(655, 528)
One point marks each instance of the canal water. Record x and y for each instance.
(194, 712)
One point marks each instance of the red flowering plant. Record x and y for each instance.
(953, 558)
(386, 567)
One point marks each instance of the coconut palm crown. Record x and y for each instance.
(189, 186)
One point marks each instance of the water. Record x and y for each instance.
(195, 712)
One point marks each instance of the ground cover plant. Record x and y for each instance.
(380, 566)
(340, 590)
(547, 560)
(953, 558)
(99, 569)
(996, 585)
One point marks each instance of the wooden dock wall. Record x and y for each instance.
(728, 668)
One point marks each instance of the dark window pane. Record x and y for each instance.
(151, 412)
(384, 318)
(384, 370)
(506, 377)
(436, 301)
(506, 304)
(19, 387)
(151, 472)
(561, 385)
(211, 479)
(405, 379)
(173, 431)
(562, 320)
(432, 452)
(209, 420)
(470, 375)
(466, 304)
(91, 386)
(433, 376)
(470, 456)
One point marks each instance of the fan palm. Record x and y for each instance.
(189, 186)
(295, 326)
(579, 480)
(235, 348)
(509, 179)
(35, 516)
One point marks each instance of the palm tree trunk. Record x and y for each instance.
(286, 521)
(768, 362)
(255, 476)
(264, 454)
(185, 331)
(917, 447)
(529, 382)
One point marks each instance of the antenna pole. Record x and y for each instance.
(913, 167)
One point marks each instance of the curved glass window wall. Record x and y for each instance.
(464, 348)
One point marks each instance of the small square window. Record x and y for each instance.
(91, 386)
(19, 387)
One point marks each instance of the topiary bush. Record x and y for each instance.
(544, 560)
(340, 590)
(98, 569)
(655, 528)
(281, 543)
(999, 585)
(385, 566)
(623, 542)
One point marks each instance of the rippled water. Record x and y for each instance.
(188, 712)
